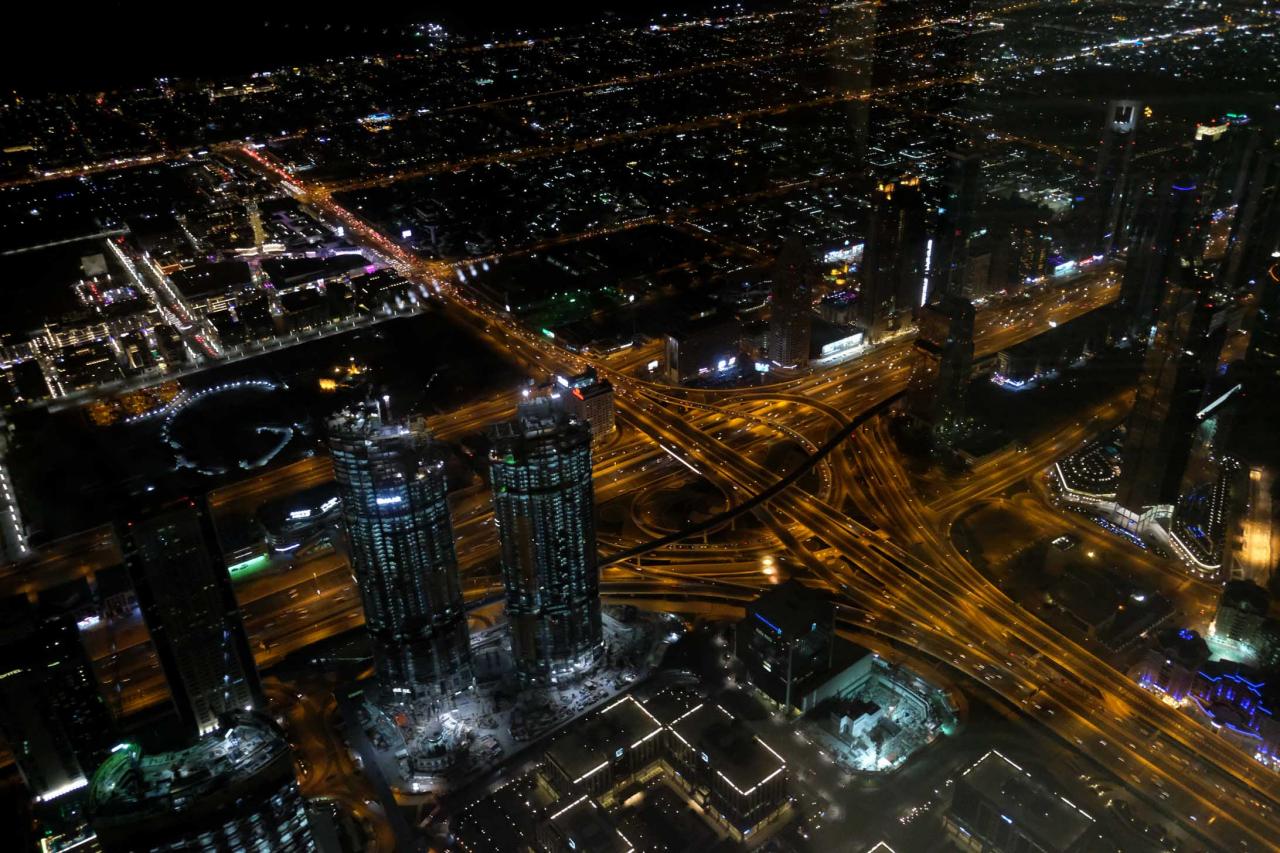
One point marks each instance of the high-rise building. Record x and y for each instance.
(396, 509)
(786, 641)
(942, 368)
(1255, 234)
(896, 257)
(1242, 608)
(1112, 173)
(1179, 361)
(232, 789)
(544, 507)
(187, 601)
(949, 258)
(1165, 232)
(52, 713)
(790, 324)
(589, 398)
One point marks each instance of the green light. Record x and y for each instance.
(549, 334)
(248, 567)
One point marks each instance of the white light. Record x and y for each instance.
(74, 785)
(394, 499)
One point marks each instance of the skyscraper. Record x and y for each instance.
(943, 363)
(1179, 360)
(1166, 232)
(589, 398)
(790, 323)
(894, 261)
(544, 507)
(1112, 173)
(948, 260)
(396, 509)
(231, 790)
(51, 711)
(185, 596)
(1255, 234)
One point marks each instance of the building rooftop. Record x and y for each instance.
(594, 742)
(725, 743)
(130, 782)
(1053, 820)
(586, 826)
(791, 608)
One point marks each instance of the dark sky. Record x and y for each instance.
(99, 45)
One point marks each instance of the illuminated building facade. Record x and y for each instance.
(396, 512)
(589, 398)
(233, 789)
(790, 320)
(942, 368)
(1112, 174)
(896, 257)
(185, 594)
(544, 508)
(1242, 609)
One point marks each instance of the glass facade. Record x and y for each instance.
(544, 506)
(185, 596)
(396, 510)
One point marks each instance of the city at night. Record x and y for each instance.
(776, 426)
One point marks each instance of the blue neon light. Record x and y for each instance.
(775, 628)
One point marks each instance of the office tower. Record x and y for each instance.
(1166, 231)
(794, 283)
(396, 509)
(1242, 609)
(786, 641)
(894, 261)
(589, 398)
(948, 266)
(544, 507)
(51, 712)
(1179, 360)
(943, 363)
(1255, 234)
(13, 534)
(186, 599)
(1112, 173)
(233, 789)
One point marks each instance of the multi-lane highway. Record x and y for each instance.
(914, 581)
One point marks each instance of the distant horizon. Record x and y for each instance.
(119, 45)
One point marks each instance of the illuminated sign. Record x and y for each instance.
(388, 501)
(330, 504)
(299, 514)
